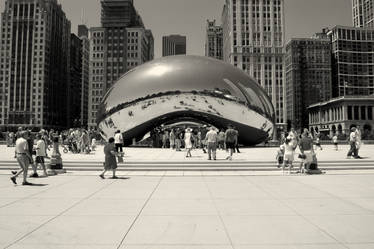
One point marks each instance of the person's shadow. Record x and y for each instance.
(35, 185)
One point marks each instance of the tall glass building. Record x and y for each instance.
(353, 61)
(253, 40)
(363, 13)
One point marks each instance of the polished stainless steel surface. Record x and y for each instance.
(187, 86)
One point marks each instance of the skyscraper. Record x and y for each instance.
(213, 40)
(308, 77)
(85, 44)
(353, 61)
(35, 64)
(253, 40)
(119, 45)
(363, 13)
(75, 86)
(173, 45)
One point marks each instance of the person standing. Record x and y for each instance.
(358, 139)
(352, 144)
(41, 153)
(335, 141)
(318, 142)
(110, 158)
(221, 140)
(237, 139)
(203, 135)
(230, 141)
(118, 141)
(172, 139)
(187, 142)
(306, 149)
(30, 142)
(23, 158)
(212, 139)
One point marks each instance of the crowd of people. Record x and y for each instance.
(308, 143)
(32, 148)
(208, 139)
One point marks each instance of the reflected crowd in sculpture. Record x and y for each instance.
(175, 88)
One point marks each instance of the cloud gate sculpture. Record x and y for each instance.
(193, 88)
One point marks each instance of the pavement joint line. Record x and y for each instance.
(218, 213)
(300, 214)
(337, 197)
(58, 215)
(42, 191)
(141, 210)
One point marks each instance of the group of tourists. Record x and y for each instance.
(27, 152)
(286, 152)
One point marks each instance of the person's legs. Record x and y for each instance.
(114, 173)
(214, 151)
(26, 161)
(209, 151)
(103, 173)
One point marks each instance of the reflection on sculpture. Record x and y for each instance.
(177, 87)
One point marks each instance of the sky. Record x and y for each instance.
(188, 17)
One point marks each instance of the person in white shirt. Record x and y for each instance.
(41, 152)
(288, 149)
(335, 141)
(23, 157)
(211, 140)
(118, 141)
(352, 143)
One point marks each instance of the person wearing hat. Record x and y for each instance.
(23, 157)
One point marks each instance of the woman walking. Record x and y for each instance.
(110, 158)
(187, 142)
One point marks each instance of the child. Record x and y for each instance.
(280, 156)
(288, 155)
(318, 143)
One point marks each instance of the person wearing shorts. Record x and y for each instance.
(41, 152)
(231, 139)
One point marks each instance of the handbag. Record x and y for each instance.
(119, 159)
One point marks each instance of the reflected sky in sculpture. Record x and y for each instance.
(196, 87)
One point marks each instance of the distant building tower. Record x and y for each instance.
(75, 87)
(308, 77)
(85, 75)
(253, 40)
(213, 41)
(97, 75)
(353, 61)
(173, 45)
(35, 64)
(363, 13)
(119, 45)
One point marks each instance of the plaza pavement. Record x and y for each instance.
(181, 212)
(197, 210)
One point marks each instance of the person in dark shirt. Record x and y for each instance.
(231, 139)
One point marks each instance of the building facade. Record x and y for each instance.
(338, 115)
(85, 73)
(308, 77)
(363, 13)
(97, 75)
(253, 40)
(35, 64)
(214, 40)
(75, 86)
(353, 61)
(119, 45)
(173, 45)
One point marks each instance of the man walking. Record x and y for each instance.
(211, 139)
(352, 143)
(23, 157)
(118, 142)
(231, 140)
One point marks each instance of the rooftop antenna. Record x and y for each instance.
(83, 20)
